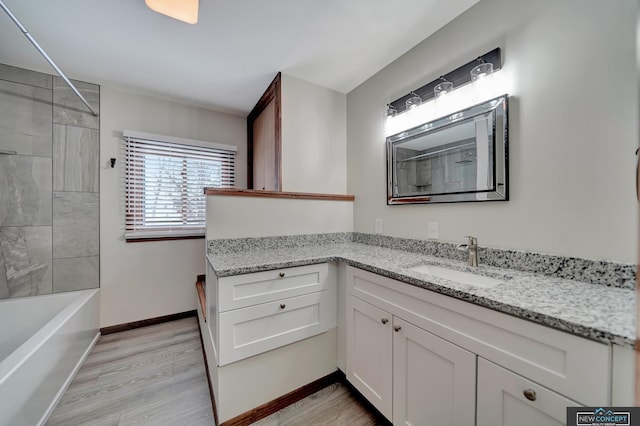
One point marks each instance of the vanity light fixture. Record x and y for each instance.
(442, 88)
(458, 78)
(182, 10)
(391, 111)
(414, 101)
(454, 84)
(481, 70)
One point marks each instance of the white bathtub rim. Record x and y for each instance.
(18, 357)
(67, 382)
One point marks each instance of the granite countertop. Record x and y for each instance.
(601, 313)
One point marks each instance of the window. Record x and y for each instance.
(164, 181)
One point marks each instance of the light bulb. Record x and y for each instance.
(481, 70)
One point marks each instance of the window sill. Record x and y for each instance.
(168, 238)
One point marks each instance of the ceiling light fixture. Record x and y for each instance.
(182, 10)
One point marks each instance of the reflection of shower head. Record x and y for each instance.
(468, 157)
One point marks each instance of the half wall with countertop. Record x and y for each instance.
(241, 386)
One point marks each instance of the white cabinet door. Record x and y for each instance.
(502, 399)
(434, 381)
(369, 353)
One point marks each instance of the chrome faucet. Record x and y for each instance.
(472, 249)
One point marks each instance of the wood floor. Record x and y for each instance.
(156, 376)
(334, 405)
(148, 376)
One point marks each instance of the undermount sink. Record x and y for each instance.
(457, 276)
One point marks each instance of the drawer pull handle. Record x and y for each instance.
(397, 328)
(384, 320)
(281, 274)
(530, 394)
(282, 306)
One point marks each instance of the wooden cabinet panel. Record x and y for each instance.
(264, 140)
(370, 354)
(264, 149)
(433, 380)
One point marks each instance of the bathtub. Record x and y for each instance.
(43, 342)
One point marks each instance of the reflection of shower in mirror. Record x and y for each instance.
(461, 157)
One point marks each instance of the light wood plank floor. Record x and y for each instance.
(156, 376)
(148, 376)
(333, 405)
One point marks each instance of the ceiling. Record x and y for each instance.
(230, 56)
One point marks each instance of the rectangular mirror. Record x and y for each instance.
(460, 157)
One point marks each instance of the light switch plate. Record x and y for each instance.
(378, 226)
(432, 230)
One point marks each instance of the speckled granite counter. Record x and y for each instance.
(605, 314)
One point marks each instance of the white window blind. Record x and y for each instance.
(164, 180)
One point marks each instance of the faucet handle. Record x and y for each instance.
(472, 240)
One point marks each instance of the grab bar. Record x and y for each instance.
(5, 152)
(53, 64)
(431, 154)
(637, 175)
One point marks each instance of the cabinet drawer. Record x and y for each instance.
(240, 291)
(573, 366)
(507, 399)
(249, 331)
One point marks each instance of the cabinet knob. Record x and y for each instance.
(397, 328)
(282, 306)
(281, 274)
(530, 394)
(384, 320)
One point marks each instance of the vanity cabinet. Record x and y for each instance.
(508, 399)
(370, 353)
(433, 380)
(261, 311)
(413, 354)
(410, 375)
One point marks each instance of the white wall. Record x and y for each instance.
(314, 138)
(146, 280)
(245, 217)
(570, 68)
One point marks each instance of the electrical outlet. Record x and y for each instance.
(378, 226)
(432, 230)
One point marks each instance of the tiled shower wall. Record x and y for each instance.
(49, 224)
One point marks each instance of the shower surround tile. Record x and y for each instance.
(4, 285)
(69, 109)
(25, 198)
(25, 119)
(75, 224)
(76, 154)
(61, 157)
(25, 261)
(76, 273)
(28, 77)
